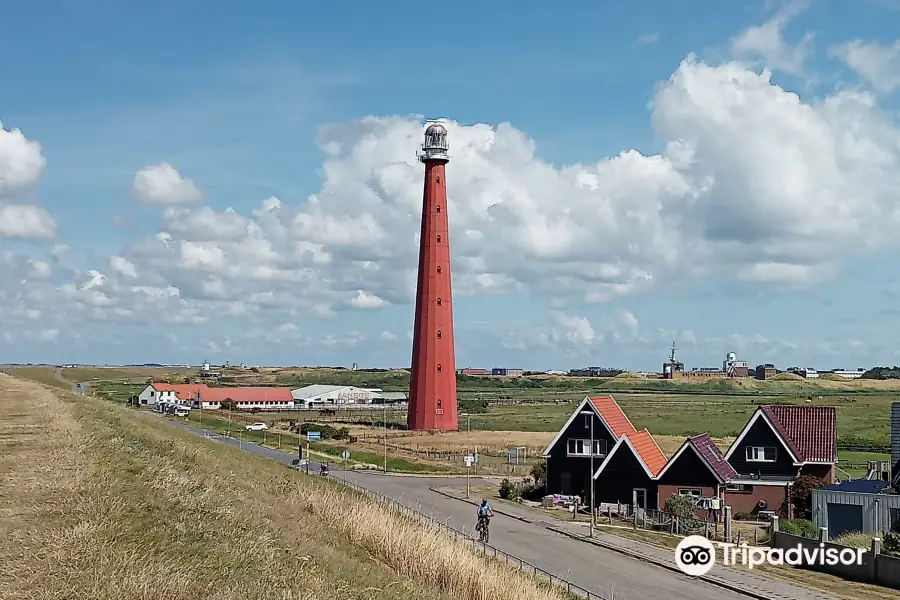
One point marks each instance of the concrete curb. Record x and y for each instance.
(496, 510)
(659, 563)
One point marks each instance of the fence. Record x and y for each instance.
(493, 551)
(726, 530)
(876, 567)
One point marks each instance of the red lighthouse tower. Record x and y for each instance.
(432, 390)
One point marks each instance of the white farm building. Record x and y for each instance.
(318, 395)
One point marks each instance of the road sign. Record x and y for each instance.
(469, 460)
(345, 454)
(475, 457)
(314, 435)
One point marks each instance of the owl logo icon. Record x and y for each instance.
(695, 555)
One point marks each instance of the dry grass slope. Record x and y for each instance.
(104, 502)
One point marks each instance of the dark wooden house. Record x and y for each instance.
(628, 474)
(569, 454)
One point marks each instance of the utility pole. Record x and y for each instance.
(384, 424)
(591, 415)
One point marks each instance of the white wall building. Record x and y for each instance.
(849, 374)
(315, 395)
(156, 392)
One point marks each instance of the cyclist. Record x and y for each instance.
(485, 512)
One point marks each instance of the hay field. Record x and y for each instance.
(102, 502)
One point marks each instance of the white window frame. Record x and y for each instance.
(692, 492)
(758, 454)
(585, 444)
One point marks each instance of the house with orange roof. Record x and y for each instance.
(204, 396)
(571, 456)
(628, 474)
(158, 392)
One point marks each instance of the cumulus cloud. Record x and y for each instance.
(753, 184)
(629, 321)
(163, 184)
(21, 161)
(876, 63)
(26, 221)
(766, 41)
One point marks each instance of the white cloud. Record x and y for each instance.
(766, 41)
(21, 161)
(122, 266)
(876, 63)
(629, 321)
(26, 221)
(754, 184)
(388, 336)
(575, 330)
(647, 38)
(163, 184)
(364, 299)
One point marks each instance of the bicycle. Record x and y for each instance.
(483, 529)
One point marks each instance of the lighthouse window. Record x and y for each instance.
(437, 178)
(437, 208)
(439, 402)
(439, 334)
(439, 368)
(438, 269)
(439, 239)
(438, 303)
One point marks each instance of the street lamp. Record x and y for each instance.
(591, 414)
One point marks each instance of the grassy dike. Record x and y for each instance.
(100, 501)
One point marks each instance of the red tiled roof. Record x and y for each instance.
(648, 450)
(713, 456)
(612, 413)
(809, 431)
(247, 394)
(188, 391)
(184, 391)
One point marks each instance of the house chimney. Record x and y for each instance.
(895, 440)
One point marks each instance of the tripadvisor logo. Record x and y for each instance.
(695, 555)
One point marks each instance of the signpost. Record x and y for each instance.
(311, 435)
(345, 455)
(469, 460)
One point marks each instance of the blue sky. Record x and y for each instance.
(244, 100)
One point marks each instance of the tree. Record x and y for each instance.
(680, 505)
(801, 494)
(228, 404)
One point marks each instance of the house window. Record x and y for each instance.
(739, 487)
(439, 239)
(439, 334)
(761, 453)
(438, 301)
(579, 447)
(437, 208)
(693, 492)
(439, 269)
(587, 421)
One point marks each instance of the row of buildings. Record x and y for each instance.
(209, 397)
(778, 443)
(733, 367)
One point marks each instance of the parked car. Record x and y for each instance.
(256, 427)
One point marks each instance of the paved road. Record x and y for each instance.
(603, 572)
(78, 388)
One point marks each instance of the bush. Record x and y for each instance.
(744, 516)
(890, 543)
(509, 490)
(680, 505)
(801, 527)
(801, 494)
(854, 539)
(328, 432)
